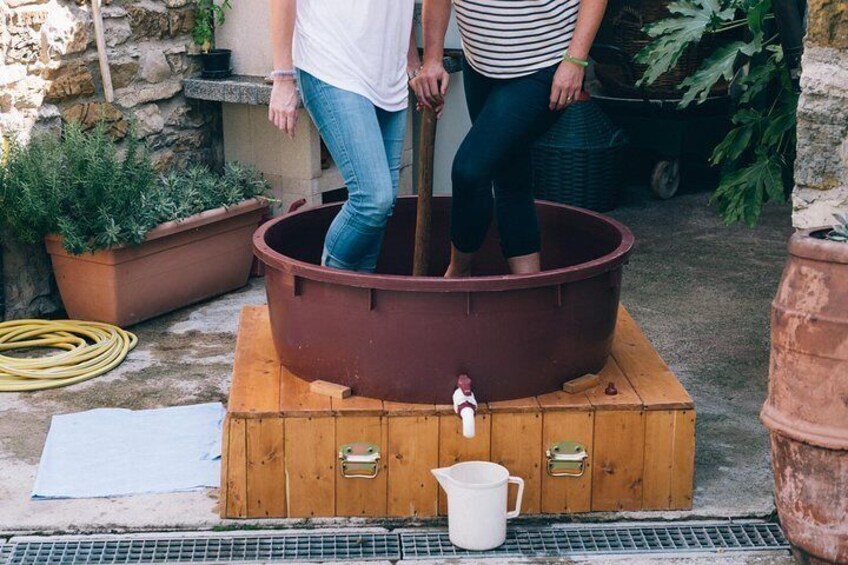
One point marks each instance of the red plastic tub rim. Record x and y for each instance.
(296, 267)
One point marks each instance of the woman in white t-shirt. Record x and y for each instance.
(351, 59)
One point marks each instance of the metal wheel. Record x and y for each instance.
(665, 178)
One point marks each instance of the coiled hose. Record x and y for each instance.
(90, 349)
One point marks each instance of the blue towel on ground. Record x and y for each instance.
(117, 452)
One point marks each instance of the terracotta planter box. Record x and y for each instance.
(178, 264)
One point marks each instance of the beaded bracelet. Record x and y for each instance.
(575, 60)
(291, 73)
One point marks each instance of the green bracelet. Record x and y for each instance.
(575, 60)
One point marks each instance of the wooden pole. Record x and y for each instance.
(105, 72)
(426, 151)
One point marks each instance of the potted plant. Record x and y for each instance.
(127, 244)
(756, 157)
(208, 14)
(807, 405)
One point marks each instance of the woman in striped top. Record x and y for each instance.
(524, 63)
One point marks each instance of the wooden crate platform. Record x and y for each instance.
(281, 441)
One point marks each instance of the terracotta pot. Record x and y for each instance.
(178, 263)
(807, 406)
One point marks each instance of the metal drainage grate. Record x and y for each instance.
(553, 541)
(218, 549)
(606, 540)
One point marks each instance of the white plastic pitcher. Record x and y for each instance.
(477, 512)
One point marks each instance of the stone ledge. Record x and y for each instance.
(253, 90)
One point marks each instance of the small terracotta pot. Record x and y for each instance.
(807, 407)
(179, 263)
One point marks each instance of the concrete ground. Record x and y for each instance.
(700, 290)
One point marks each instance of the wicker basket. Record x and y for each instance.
(578, 161)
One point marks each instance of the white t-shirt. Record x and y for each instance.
(357, 45)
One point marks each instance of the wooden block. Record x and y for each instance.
(581, 384)
(517, 445)
(266, 480)
(296, 400)
(454, 447)
(310, 466)
(256, 369)
(360, 496)
(656, 385)
(567, 494)
(413, 451)
(332, 390)
(659, 449)
(683, 469)
(619, 445)
(236, 487)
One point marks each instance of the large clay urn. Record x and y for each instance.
(807, 407)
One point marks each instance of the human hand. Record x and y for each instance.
(282, 110)
(567, 85)
(431, 86)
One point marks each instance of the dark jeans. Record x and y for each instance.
(508, 115)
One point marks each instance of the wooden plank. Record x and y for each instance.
(266, 484)
(454, 447)
(332, 390)
(357, 406)
(359, 496)
(580, 384)
(659, 448)
(310, 466)
(255, 388)
(296, 400)
(567, 494)
(223, 493)
(409, 409)
(626, 397)
(413, 451)
(656, 385)
(519, 405)
(559, 400)
(619, 445)
(683, 469)
(517, 445)
(237, 469)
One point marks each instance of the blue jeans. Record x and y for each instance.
(366, 143)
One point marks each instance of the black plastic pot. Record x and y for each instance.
(216, 63)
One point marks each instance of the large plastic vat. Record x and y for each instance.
(396, 337)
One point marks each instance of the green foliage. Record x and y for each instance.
(208, 14)
(840, 229)
(757, 155)
(96, 195)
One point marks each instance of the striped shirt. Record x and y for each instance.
(513, 38)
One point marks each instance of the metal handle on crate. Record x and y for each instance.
(359, 460)
(567, 459)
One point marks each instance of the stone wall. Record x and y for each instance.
(50, 74)
(821, 169)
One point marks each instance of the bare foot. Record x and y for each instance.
(454, 273)
(525, 264)
(460, 264)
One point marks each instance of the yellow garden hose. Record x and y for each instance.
(90, 349)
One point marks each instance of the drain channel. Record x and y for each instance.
(552, 541)
(607, 540)
(206, 549)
